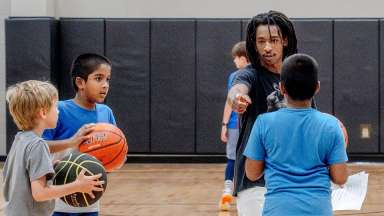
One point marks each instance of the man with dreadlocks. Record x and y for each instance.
(270, 38)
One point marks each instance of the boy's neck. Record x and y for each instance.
(83, 102)
(39, 129)
(298, 104)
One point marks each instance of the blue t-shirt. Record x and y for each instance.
(72, 117)
(297, 146)
(232, 122)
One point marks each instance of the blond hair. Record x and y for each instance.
(26, 99)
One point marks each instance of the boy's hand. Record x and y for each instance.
(87, 184)
(241, 102)
(224, 134)
(81, 135)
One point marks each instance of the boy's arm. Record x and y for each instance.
(226, 115)
(338, 173)
(255, 152)
(338, 170)
(254, 169)
(80, 136)
(86, 184)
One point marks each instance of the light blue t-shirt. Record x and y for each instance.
(297, 146)
(232, 122)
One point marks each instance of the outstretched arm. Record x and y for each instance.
(238, 98)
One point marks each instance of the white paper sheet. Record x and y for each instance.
(351, 196)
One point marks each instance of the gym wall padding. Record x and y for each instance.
(169, 75)
(77, 36)
(244, 25)
(356, 84)
(173, 86)
(30, 54)
(127, 45)
(381, 66)
(214, 41)
(314, 37)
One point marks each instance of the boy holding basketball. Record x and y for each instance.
(90, 77)
(28, 168)
(230, 127)
(298, 148)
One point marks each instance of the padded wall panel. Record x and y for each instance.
(127, 46)
(173, 86)
(30, 47)
(315, 37)
(77, 36)
(356, 84)
(381, 111)
(214, 42)
(244, 26)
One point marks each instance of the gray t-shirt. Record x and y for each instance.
(27, 161)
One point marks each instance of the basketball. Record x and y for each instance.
(67, 170)
(108, 144)
(345, 133)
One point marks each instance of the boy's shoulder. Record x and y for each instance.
(30, 139)
(100, 106)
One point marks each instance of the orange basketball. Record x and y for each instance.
(107, 143)
(345, 133)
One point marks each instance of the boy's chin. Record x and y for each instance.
(101, 100)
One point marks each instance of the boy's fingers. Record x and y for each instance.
(97, 189)
(94, 177)
(82, 172)
(99, 183)
(91, 195)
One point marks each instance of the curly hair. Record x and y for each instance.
(286, 31)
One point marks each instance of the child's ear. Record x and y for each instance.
(317, 87)
(282, 89)
(42, 113)
(80, 82)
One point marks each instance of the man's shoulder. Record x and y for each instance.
(247, 69)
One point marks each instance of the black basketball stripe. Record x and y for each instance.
(68, 171)
(69, 158)
(111, 144)
(122, 149)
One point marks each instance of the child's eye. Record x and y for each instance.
(98, 78)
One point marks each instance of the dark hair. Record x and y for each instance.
(86, 64)
(239, 50)
(299, 76)
(285, 28)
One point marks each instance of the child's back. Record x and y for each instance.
(300, 144)
(299, 149)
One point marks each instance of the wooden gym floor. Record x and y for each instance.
(195, 189)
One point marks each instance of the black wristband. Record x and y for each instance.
(224, 124)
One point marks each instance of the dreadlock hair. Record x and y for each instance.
(285, 28)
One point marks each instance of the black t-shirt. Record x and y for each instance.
(261, 83)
